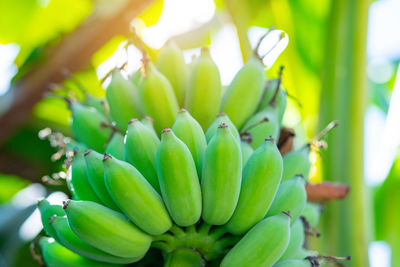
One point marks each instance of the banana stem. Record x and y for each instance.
(177, 231)
(217, 233)
(184, 257)
(191, 229)
(204, 228)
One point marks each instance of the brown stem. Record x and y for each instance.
(326, 191)
(285, 142)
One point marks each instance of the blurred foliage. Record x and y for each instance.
(10, 185)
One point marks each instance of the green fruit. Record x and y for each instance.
(70, 240)
(311, 213)
(261, 125)
(291, 196)
(140, 150)
(242, 96)
(261, 178)
(178, 179)
(106, 229)
(247, 151)
(189, 131)
(269, 98)
(135, 196)
(149, 123)
(171, 63)
(296, 240)
(123, 99)
(116, 146)
(204, 91)
(184, 257)
(77, 180)
(46, 211)
(55, 255)
(297, 162)
(158, 98)
(95, 174)
(303, 253)
(221, 118)
(294, 263)
(222, 175)
(87, 126)
(263, 245)
(100, 104)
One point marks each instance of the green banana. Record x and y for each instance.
(222, 175)
(87, 126)
(100, 104)
(204, 91)
(136, 77)
(115, 146)
(303, 253)
(189, 131)
(311, 213)
(276, 96)
(222, 118)
(178, 179)
(158, 98)
(148, 122)
(106, 229)
(135, 196)
(55, 255)
(261, 178)
(70, 240)
(184, 257)
(244, 91)
(261, 125)
(77, 180)
(263, 245)
(123, 99)
(95, 174)
(296, 162)
(247, 151)
(294, 263)
(171, 63)
(296, 240)
(291, 196)
(140, 150)
(46, 211)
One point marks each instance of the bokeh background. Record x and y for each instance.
(341, 63)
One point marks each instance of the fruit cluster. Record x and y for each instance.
(204, 184)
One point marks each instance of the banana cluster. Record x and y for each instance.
(172, 161)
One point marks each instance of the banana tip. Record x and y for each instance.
(132, 121)
(52, 218)
(222, 114)
(106, 157)
(66, 203)
(149, 118)
(287, 213)
(270, 138)
(166, 130)
(182, 110)
(223, 125)
(87, 152)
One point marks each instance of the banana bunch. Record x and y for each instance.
(177, 164)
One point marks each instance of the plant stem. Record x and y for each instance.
(184, 257)
(343, 98)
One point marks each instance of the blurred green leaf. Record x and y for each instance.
(10, 185)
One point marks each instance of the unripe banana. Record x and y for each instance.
(55, 255)
(95, 174)
(261, 177)
(46, 211)
(123, 99)
(262, 125)
(77, 180)
(312, 212)
(135, 196)
(106, 229)
(303, 253)
(263, 245)
(171, 63)
(244, 91)
(247, 151)
(204, 91)
(136, 77)
(158, 98)
(189, 131)
(291, 196)
(178, 179)
(297, 162)
(140, 150)
(222, 118)
(70, 240)
(294, 263)
(184, 257)
(278, 101)
(100, 104)
(222, 176)
(296, 240)
(149, 123)
(116, 146)
(87, 126)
